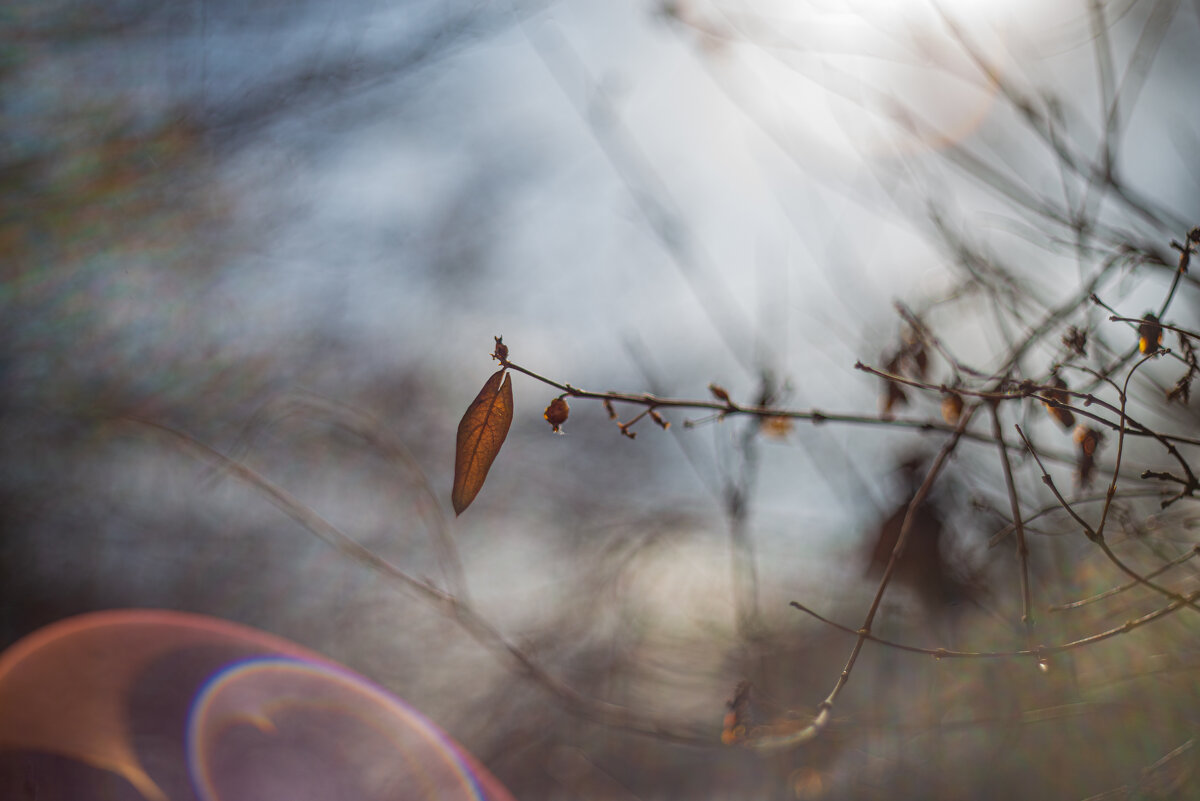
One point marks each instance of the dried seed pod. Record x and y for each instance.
(1150, 334)
(1182, 391)
(556, 414)
(893, 396)
(737, 718)
(776, 427)
(1075, 340)
(920, 362)
(1063, 415)
(1088, 439)
(952, 406)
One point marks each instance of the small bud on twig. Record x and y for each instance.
(556, 414)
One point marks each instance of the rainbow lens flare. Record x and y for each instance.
(156, 706)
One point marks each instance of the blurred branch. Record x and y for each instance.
(455, 608)
(1097, 536)
(1194, 551)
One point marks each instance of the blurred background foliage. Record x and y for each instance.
(291, 230)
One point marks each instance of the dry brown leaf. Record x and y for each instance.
(481, 432)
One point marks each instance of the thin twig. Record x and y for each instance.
(1015, 506)
(823, 716)
(1136, 321)
(1037, 652)
(730, 408)
(1029, 389)
(1098, 538)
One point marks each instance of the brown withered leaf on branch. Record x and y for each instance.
(481, 432)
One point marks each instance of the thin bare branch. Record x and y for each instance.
(1039, 652)
(1015, 507)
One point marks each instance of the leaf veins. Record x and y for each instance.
(481, 432)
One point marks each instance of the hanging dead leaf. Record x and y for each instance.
(481, 432)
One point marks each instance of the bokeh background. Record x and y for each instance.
(292, 230)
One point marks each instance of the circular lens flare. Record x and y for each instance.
(180, 706)
(280, 728)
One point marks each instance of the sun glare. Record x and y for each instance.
(881, 78)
